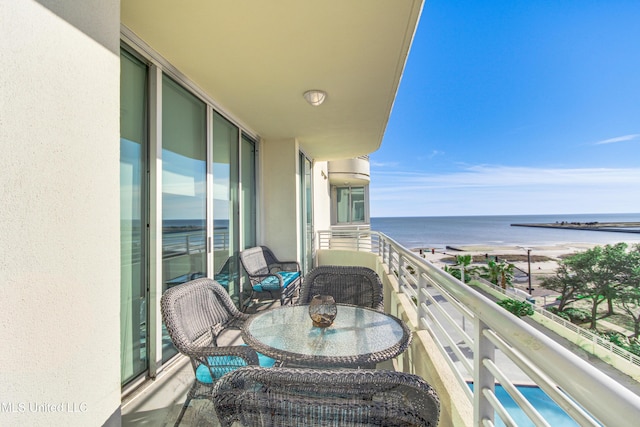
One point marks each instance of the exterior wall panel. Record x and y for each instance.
(355, 171)
(280, 197)
(59, 216)
(321, 197)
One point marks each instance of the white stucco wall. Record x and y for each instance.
(279, 203)
(321, 197)
(59, 215)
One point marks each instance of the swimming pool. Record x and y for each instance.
(549, 409)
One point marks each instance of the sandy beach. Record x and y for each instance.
(544, 261)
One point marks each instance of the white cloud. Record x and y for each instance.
(375, 164)
(618, 139)
(487, 190)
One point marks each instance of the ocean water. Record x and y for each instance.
(439, 232)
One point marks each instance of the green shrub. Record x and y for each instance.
(455, 272)
(519, 308)
(574, 315)
(630, 344)
(562, 314)
(577, 315)
(634, 347)
(617, 339)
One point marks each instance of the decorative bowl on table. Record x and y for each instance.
(322, 310)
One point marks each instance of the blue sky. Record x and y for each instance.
(515, 107)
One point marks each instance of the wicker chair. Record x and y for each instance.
(195, 313)
(256, 396)
(270, 278)
(348, 285)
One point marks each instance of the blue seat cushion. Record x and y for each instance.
(221, 365)
(272, 283)
(265, 361)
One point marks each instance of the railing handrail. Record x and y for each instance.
(554, 367)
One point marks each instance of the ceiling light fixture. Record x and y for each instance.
(315, 97)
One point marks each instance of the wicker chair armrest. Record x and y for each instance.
(237, 321)
(244, 352)
(285, 266)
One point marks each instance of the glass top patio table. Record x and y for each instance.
(358, 336)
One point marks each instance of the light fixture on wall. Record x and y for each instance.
(315, 97)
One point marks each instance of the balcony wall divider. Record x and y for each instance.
(306, 213)
(210, 207)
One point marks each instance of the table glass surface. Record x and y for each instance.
(355, 331)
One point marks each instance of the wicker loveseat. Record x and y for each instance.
(269, 277)
(255, 396)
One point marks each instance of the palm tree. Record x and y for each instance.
(498, 273)
(461, 269)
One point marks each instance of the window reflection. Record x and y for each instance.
(183, 190)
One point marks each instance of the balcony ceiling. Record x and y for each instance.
(256, 59)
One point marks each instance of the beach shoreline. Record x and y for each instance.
(547, 238)
(551, 254)
(619, 227)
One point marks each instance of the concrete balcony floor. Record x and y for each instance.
(158, 402)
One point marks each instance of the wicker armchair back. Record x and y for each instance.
(193, 310)
(311, 397)
(195, 313)
(348, 285)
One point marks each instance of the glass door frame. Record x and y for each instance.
(143, 206)
(307, 244)
(234, 215)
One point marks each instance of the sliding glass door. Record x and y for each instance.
(133, 217)
(205, 167)
(225, 204)
(350, 205)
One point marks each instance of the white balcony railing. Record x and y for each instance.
(484, 344)
(599, 345)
